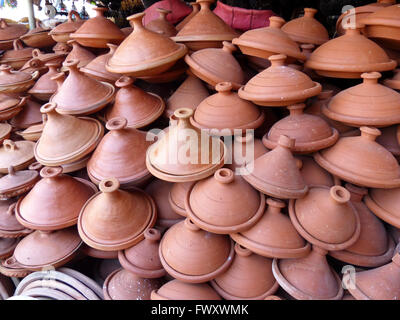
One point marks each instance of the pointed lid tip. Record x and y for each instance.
(224, 175)
(51, 172)
(183, 113)
(152, 234)
(117, 123)
(124, 81)
(371, 77)
(370, 132)
(109, 185)
(73, 63)
(277, 59)
(224, 86)
(310, 12)
(48, 107)
(276, 203)
(276, 22)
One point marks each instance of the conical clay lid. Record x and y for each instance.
(162, 25)
(313, 174)
(177, 196)
(178, 290)
(195, 10)
(44, 87)
(11, 31)
(17, 182)
(385, 204)
(71, 25)
(79, 53)
(18, 154)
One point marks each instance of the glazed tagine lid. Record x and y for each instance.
(142, 259)
(325, 217)
(9, 225)
(18, 154)
(44, 87)
(114, 219)
(79, 137)
(8, 76)
(178, 290)
(367, 104)
(98, 31)
(177, 195)
(248, 278)
(226, 112)
(311, 133)
(375, 246)
(42, 249)
(70, 25)
(272, 40)
(162, 25)
(89, 95)
(17, 182)
(308, 278)
(139, 107)
(279, 85)
(224, 203)
(195, 10)
(193, 255)
(361, 160)
(306, 29)
(164, 160)
(55, 201)
(79, 53)
(137, 55)
(273, 235)
(349, 56)
(121, 153)
(206, 65)
(11, 31)
(276, 173)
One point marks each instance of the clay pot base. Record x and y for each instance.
(295, 292)
(381, 212)
(99, 254)
(137, 270)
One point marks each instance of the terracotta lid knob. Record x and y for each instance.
(228, 47)
(112, 47)
(17, 44)
(163, 12)
(124, 81)
(49, 107)
(205, 4)
(296, 109)
(3, 24)
(136, 20)
(117, 123)
(194, 5)
(356, 193)
(299, 163)
(72, 64)
(339, 194)
(242, 251)
(11, 170)
(35, 63)
(59, 79)
(325, 95)
(276, 22)
(224, 87)
(286, 142)
(224, 175)
(100, 11)
(9, 145)
(183, 113)
(190, 225)
(51, 172)
(371, 77)
(11, 209)
(5, 68)
(310, 12)
(35, 166)
(73, 42)
(275, 205)
(319, 250)
(74, 14)
(109, 185)
(370, 133)
(307, 47)
(152, 235)
(277, 60)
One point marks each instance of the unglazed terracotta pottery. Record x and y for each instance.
(45, 87)
(18, 154)
(162, 25)
(114, 219)
(195, 10)
(10, 32)
(89, 95)
(268, 41)
(311, 133)
(178, 290)
(98, 31)
(393, 82)
(388, 139)
(313, 174)
(205, 29)
(279, 85)
(61, 33)
(79, 137)
(175, 73)
(385, 204)
(273, 235)
(367, 104)
(17, 182)
(100, 254)
(79, 53)
(361, 161)
(349, 56)
(9, 225)
(226, 112)
(5, 131)
(164, 158)
(142, 259)
(121, 153)
(140, 108)
(177, 195)
(32, 133)
(206, 64)
(38, 37)
(55, 201)
(192, 255)
(144, 52)
(14, 81)
(308, 278)
(17, 57)
(276, 173)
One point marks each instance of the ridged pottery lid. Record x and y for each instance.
(178, 290)
(276, 173)
(70, 25)
(306, 29)
(385, 203)
(79, 137)
(279, 85)
(8, 76)
(18, 154)
(142, 259)
(162, 25)
(121, 153)
(195, 10)
(361, 161)
(366, 104)
(325, 217)
(55, 201)
(114, 219)
(17, 182)
(138, 56)
(311, 133)
(19, 52)
(226, 111)
(249, 277)
(164, 158)
(79, 53)
(177, 195)
(349, 56)
(139, 107)
(374, 246)
(309, 278)
(9, 225)
(382, 283)
(89, 95)
(224, 203)
(9, 100)
(193, 255)
(394, 82)
(98, 31)
(273, 235)
(45, 86)
(11, 31)
(214, 65)
(388, 139)
(313, 174)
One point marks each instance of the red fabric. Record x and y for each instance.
(178, 7)
(243, 19)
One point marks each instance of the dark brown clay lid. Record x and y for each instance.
(17, 182)
(9, 225)
(71, 25)
(178, 290)
(385, 204)
(11, 31)
(18, 154)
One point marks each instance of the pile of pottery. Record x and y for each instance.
(195, 162)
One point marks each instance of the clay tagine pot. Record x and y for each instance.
(45, 87)
(385, 204)
(361, 160)
(17, 57)
(177, 195)
(162, 25)
(16, 183)
(192, 255)
(10, 32)
(121, 153)
(313, 174)
(178, 290)
(273, 235)
(248, 278)
(138, 56)
(55, 201)
(98, 31)
(163, 160)
(206, 65)
(38, 37)
(78, 53)
(61, 33)
(139, 107)
(15, 81)
(195, 10)
(10, 105)
(18, 154)
(114, 219)
(9, 225)
(279, 85)
(311, 133)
